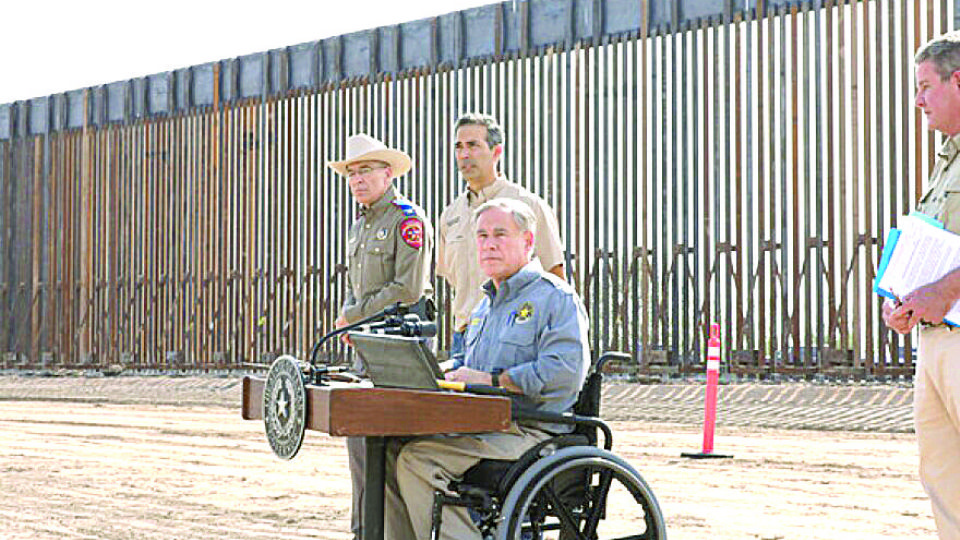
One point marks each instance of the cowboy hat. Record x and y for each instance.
(361, 147)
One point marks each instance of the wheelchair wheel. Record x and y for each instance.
(582, 493)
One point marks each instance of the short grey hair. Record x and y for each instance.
(944, 52)
(494, 131)
(522, 214)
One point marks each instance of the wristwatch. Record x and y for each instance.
(494, 379)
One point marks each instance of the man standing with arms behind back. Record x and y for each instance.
(478, 148)
(936, 398)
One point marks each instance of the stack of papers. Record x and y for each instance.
(917, 253)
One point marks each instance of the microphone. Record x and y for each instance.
(424, 308)
(411, 326)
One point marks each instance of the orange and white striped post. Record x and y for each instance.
(710, 399)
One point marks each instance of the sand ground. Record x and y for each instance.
(124, 467)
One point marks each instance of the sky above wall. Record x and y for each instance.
(48, 47)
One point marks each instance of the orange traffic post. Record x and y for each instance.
(710, 400)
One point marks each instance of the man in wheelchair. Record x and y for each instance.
(529, 336)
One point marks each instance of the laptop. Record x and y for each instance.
(397, 361)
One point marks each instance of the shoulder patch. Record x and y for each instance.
(405, 207)
(411, 230)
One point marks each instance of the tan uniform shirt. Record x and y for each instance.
(942, 198)
(941, 201)
(457, 244)
(389, 250)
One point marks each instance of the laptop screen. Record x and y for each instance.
(397, 361)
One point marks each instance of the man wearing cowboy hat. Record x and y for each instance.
(389, 249)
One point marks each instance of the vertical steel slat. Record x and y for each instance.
(271, 254)
(637, 179)
(165, 251)
(807, 271)
(114, 194)
(224, 121)
(908, 195)
(692, 219)
(538, 123)
(36, 248)
(711, 192)
(603, 244)
(841, 185)
(54, 212)
(301, 247)
(795, 194)
(736, 257)
(202, 164)
(85, 232)
(287, 227)
(651, 189)
(69, 232)
(708, 242)
(854, 266)
(772, 268)
(322, 212)
(135, 222)
(887, 339)
(183, 311)
(745, 338)
(578, 98)
(869, 272)
(147, 315)
(680, 191)
(184, 149)
(592, 191)
(831, 241)
(783, 267)
(757, 280)
(44, 333)
(625, 158)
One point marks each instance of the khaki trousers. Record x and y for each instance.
(357, 459)
(416, 469)
(936, 411)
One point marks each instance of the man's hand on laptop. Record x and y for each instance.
(471, 376)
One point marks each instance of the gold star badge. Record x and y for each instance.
(525, 312)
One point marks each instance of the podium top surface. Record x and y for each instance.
(363, 411)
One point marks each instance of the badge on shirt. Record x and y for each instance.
(382, 234)
(411, 230)
(524, 312)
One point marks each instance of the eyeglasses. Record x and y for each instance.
(362, 171)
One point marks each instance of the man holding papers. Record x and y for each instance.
(937, 381)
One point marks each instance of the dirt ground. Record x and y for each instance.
(102, 470)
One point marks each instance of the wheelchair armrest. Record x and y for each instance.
(569, 419)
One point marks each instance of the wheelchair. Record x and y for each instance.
(563, 488)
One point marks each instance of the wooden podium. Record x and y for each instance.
(378, 413)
